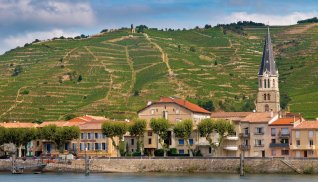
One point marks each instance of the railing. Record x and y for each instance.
(284, 145)
(261, 145)
(231, 137)
(259, 133)
(244, 135)
(245, 147)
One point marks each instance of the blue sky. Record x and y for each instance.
(22, 21)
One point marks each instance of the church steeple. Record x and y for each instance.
(268, 65)
(268, 98)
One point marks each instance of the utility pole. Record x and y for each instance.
(86, 163)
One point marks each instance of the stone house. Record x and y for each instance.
(174, 110)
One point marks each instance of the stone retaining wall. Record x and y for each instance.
(181, 165)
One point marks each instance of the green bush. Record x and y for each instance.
(159, 152)
(309, 170)
(25, 92)
(136, 154)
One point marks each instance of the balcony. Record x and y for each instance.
(245, 147)
(261, 145)
(232, 138)
(281, 145)
(231, 148)
(244, 135)
(303, 147)
(259, 133)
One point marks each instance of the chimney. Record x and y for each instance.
(272, 113)
(149, 103)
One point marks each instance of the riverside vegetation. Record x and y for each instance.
(114, 74)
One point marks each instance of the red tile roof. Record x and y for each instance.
(258, 117)
(307, 125)
(284, 121)
(183, 103)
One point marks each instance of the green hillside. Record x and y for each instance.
(115, 74)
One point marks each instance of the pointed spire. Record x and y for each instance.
(268, 64)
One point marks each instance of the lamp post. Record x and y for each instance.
(86, 163)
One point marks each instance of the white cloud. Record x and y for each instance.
(288, 19)
(19, 40)
(47, 12)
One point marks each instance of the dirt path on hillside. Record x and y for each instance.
(133, 74)
(164, 56)
(16, 102)
(299, 29)
(106, 69)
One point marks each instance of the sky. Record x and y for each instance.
(22, 21)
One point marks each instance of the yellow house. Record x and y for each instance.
(305, 140)
(92, 141)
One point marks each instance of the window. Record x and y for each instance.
(285, 152)
(259, 131)
(104, 146)
(284, 141)
(266, 108)
(181, 151)
(297, 142)
(191, 141)
(82, 146)
(297, 134)
(264, 83)
(210, 150)
(268, 96)
(311, 142)
(67, 146)
(82, 135)
(165, 114)
(181, 142)
(273, 83)
(88, 135)
(273, 131)
(285, 131)
(260, 83)
(149, 133)
(273, 152)
(310, 152)
(258, 143)
(96, 136)
(264, 96)
(88, 146)
(177, 111)
(149, 141)
(269, 86)
(273, 140)
(152, 111)
(132, 141)
(310, 134)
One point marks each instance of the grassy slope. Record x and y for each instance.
(113, 68)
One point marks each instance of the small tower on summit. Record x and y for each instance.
(268, 98)
(132, 28)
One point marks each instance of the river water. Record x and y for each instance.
(154, 177)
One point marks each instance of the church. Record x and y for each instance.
(268, 91)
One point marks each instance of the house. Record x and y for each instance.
(174, 110)
(280, 134)
(305, 140)
(92, 141)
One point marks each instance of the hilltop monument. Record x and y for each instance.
(268, 98)
(132, 28)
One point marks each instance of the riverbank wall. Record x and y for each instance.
(209, 165)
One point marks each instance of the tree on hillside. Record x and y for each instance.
(3, 134)
(137, 129)
(207, 105)
(222, 127)
(160, 127)
(141, 28)
(115, 129)
(207, 26)
(183, 130)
